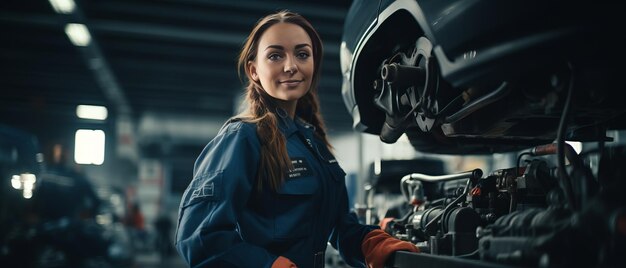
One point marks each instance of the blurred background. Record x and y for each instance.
(109, 102)
(105, 106)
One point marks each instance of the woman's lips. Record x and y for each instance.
(291, 83)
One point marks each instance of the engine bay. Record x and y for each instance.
(534, 214)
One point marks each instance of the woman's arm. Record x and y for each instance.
(224, 176)
(348, 234)
(363, 245)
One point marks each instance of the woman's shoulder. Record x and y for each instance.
(238, 126)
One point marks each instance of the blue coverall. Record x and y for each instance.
(224, 221)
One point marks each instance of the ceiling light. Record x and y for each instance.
(63, 6)
(91, 112)
(78, 34)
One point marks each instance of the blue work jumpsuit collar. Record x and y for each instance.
(290, 126)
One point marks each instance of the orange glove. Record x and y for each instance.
(384, 223)
(377, 246)
(282, 262)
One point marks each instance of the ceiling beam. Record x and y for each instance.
(330, 12)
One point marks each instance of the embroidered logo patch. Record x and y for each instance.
(300, 168)
(206, 189)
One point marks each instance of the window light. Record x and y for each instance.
(89, 147)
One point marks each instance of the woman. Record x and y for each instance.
(267, 191)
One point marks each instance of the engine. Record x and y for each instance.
(534, 214)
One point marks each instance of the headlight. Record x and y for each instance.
(25, 182)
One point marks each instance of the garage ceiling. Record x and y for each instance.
(168, 58)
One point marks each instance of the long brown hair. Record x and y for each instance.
(261, 108)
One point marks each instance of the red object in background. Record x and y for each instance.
(135, 217)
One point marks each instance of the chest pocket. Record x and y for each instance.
(293, 207)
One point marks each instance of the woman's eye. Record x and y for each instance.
(273, 57)
(303, 55)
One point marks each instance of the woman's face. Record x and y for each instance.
(284, 63)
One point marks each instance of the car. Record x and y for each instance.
(519, 78)
(478, 77)
(38, 222)
(20, 178)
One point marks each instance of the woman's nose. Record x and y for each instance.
(290, 65)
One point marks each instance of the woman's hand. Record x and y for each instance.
(378, 245)
(282, 262)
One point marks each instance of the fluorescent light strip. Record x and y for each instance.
(63, 6)
(92, 112)
(78, 34)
